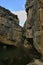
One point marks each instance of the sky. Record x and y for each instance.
(16, 7)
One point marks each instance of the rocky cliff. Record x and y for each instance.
(10, 30)
(20, 46)
(34, 23)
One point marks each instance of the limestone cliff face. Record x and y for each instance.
(5, 13)
(34, 23)
(10, 30)
(12, 34)
(41, 23)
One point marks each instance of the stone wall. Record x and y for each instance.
(34, 9)
(41, 23)
(10, 30)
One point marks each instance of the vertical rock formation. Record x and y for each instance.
(34, 9)
(41, 23)
(11, 35)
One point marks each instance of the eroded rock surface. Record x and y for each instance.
(10, 30)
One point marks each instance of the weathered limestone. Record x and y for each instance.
(10, 30)
(8, 15)
(41, 23)
(34, 9)
(22, 47)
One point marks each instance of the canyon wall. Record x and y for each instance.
(34, 23)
